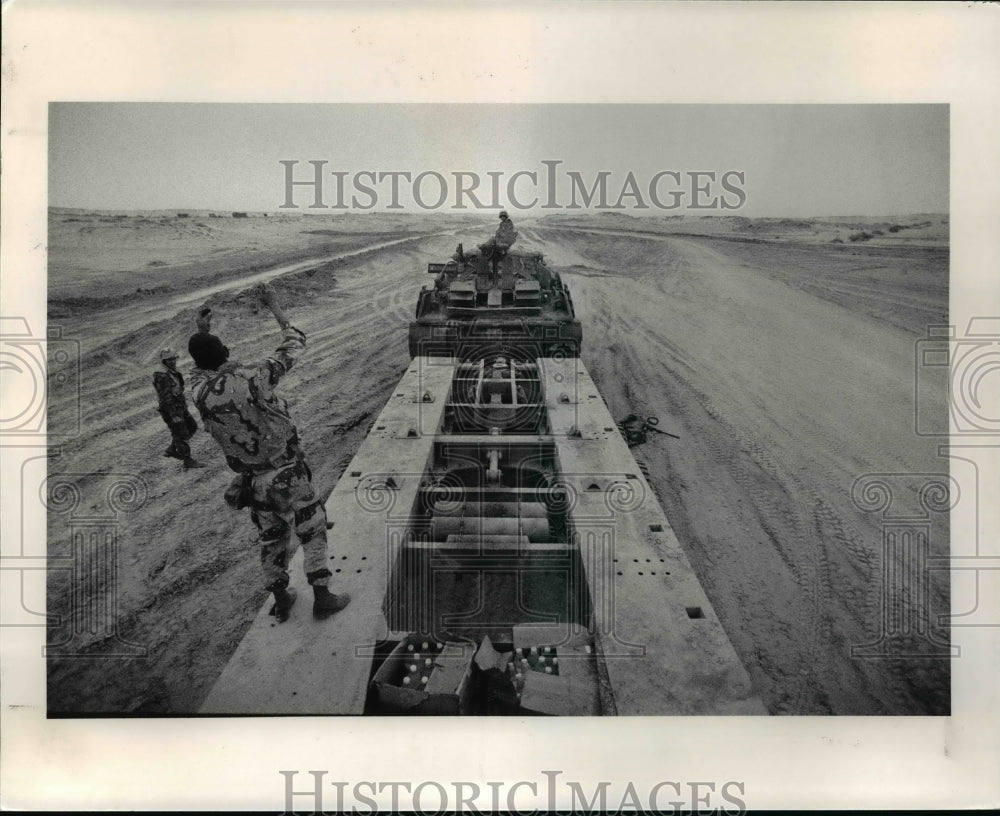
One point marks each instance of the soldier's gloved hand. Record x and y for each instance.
(204, 320)
(266, 294)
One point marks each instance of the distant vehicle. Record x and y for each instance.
(510, 303)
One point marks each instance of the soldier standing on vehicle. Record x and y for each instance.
(252, 425)
(169, 385)
(505, 236)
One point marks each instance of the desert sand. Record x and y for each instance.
(779, 351)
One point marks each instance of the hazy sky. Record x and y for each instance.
(796, 160)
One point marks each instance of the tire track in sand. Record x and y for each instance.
(747, 365)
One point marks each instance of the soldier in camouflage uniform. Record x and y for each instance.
(504, 239)
(251, 423)
(169, 385)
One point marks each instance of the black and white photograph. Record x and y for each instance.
(624, 450)
(347, 419)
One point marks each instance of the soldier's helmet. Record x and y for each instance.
(168, 354)
(503, 214)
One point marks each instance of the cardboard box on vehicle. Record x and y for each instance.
(447, 690)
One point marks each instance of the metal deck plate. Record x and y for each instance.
(664, 648)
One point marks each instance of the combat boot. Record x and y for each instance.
(325, 603)
(283, 601)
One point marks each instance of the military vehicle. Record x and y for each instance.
(507, 303)
(505, 552)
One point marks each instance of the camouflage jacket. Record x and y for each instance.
(506, 234)
(240, 410)
(169, 387)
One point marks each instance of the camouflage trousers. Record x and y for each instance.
(282, 499)
(181, 430)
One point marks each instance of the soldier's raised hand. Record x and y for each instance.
(204, 320)
(266, 294)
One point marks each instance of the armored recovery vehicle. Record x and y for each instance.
(506, 303)
(504, 550)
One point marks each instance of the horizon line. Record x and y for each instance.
(535, 212)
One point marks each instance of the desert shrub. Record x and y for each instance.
(895, 228)
(860, 236)
(837, 241)
(239, 215)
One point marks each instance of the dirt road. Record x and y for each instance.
(783, 386)
(781, 399)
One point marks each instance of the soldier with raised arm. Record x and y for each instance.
(251, 423)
